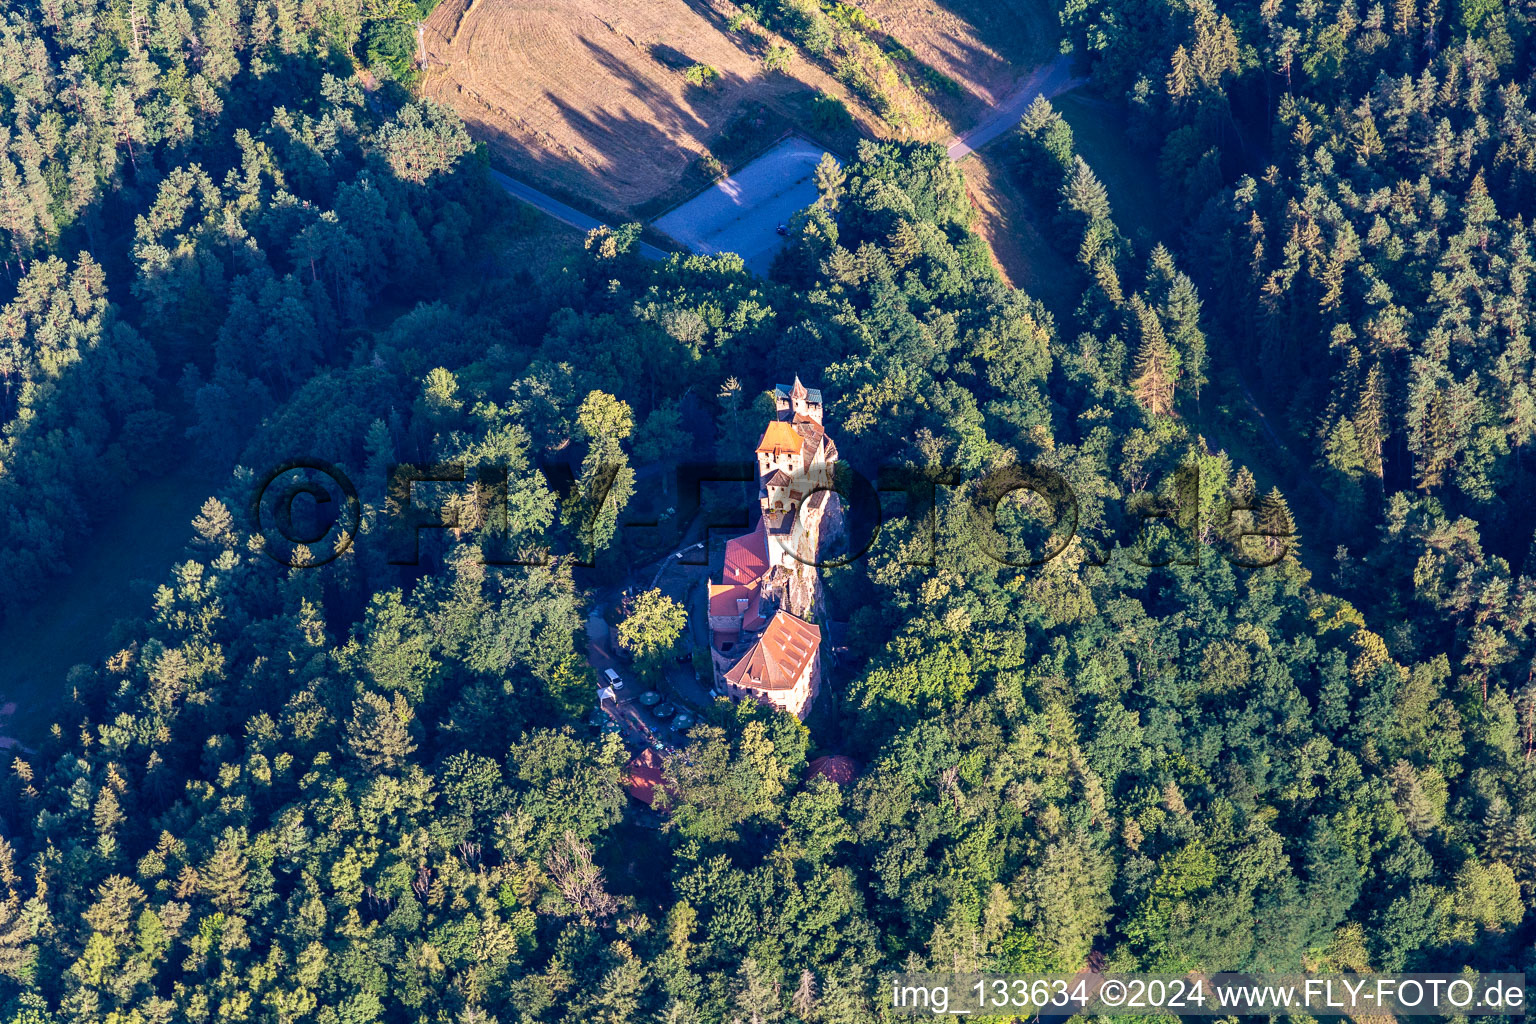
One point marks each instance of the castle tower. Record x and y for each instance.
(797, 402)
(763, 642)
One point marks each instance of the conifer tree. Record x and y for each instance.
(1181, 77)
(224, 874)
(904, 244)
(214, 524)
(804, 1002)
(1085, 194)
(379, 734)
(1277, 525)
(830, 177)
(1156, 364)
(1342, 448)
(756, 998)
(1370, 421)
(16, 932)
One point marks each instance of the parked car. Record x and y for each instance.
(612, 679)
(664, 711)
(650, 698)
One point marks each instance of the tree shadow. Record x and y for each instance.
(632, 148)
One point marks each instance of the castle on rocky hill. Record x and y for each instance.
(764, 642)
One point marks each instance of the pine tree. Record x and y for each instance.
(905, 246)
(16, 931)
(805, 1002)
(1182, 311)
(1156, 365)
(214, 524)
(1440, 417)
(379, 734)
(830, 178)
(1522, 851)
(1245, 490)
(730, 396)
(1181, 78)
(1085, 194)
(1370, 421)
(1367, 138)
(756, 998)
(107, 814)
(1107, 278)
(1342, 449)
(1497, 831)
(224, 874)
(1278, 526)
(1521, 417)
(843, 267)
(1417, 809)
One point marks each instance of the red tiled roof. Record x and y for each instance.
(779, 439)
(724, 600)
(841, 770)
(746, 560)
(812, 438)
(642, 776)
(746, 557)
(779, 657)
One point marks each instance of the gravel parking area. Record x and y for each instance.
(742, 213)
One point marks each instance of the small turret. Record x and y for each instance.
(796, 402)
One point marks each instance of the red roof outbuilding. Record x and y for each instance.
(841, 770)
(642, 776)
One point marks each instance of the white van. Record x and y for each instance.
(613, 679)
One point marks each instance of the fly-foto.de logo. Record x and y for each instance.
(1022, 515)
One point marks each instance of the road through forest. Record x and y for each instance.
(1048, 80)
(561, 212)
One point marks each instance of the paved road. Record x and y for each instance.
(563, 213)
(740, 206)
(1052, 79)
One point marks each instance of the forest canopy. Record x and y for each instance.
(363, 791)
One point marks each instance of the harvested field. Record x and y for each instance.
(587, 98)
(983, 46)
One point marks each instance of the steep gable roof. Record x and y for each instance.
(787, 391)
(779, 439)
(779, 657)
(746, 557)
(737, 593)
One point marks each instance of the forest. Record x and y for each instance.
(1232, 725)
